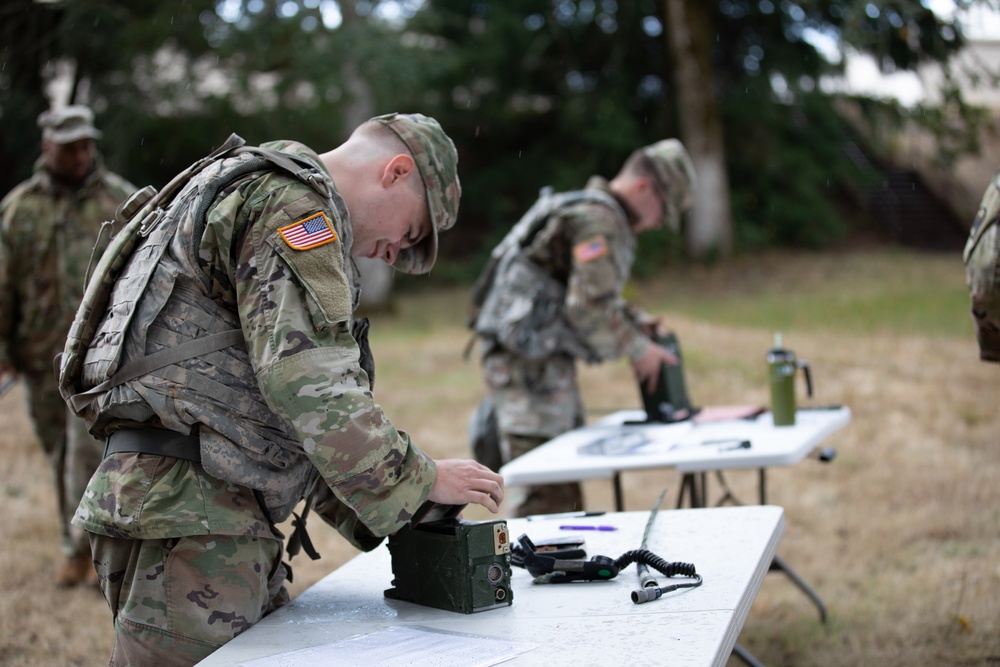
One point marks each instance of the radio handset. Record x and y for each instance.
(552, 570)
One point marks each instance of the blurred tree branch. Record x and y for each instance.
(534, 93)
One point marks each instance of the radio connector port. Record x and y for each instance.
(501, 539)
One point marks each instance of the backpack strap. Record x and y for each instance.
(298, 167)
(301, 169)
(157, 360)
(521, 235)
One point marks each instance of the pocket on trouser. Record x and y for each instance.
(139, 644)
(191, 595)
(542, 400)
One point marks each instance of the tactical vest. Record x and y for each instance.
(147, 314)
(516, 303)
(982, 250)
(982, 270)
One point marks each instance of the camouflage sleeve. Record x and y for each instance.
(295, 307)
(639, 316)
(8, 314)
(594, 302)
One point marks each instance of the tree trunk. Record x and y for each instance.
(689, 29)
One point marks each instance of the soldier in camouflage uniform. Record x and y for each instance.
(982, 269)
(48, 227)
(209, 449)
(557, 296)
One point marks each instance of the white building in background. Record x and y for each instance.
(960, 185)
(976, 68)
(977, 71)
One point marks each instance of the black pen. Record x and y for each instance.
(734, 443)
(742, 444)
(563, 515)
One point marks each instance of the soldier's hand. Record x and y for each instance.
(647, 367)
(654, 327)
(463, 481)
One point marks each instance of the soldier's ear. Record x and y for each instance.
(399, 168)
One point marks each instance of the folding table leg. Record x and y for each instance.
(779, 564)
(685, 488)
(619, 496)
(746, 656)
(689, 488)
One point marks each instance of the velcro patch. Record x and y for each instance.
(310, 232)
(590, 250)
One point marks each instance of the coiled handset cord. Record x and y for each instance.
(650, 587)
(667, 569)
(548, 569)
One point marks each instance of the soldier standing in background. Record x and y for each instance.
(982, 272)
(49, 225)
(244, 278)
(552, 294)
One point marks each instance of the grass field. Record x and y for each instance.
(900, 534)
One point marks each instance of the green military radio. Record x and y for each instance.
(452, 564)
(669, 402)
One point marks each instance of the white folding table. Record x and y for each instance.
(624, 441)
(580, 624)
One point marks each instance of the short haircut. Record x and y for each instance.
(383, 138)
(638, 164)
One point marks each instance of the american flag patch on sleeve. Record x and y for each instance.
(309, 232)
(590, 250)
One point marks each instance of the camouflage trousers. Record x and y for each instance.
(535, 402)
(174, 601)
(542, 498)
(73, 453)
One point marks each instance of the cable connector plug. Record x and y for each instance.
(651, 593)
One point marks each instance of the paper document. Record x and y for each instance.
(409, 646)
(714, 413)
(617, 444)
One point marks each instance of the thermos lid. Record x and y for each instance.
(777, 356)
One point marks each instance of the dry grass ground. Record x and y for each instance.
(900, 534)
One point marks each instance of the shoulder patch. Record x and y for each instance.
(591, 249)
(310, 232)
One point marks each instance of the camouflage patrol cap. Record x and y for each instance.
(69, 124)
(675, 172)
(437, 161)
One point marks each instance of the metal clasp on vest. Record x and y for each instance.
(151, 222)
(319, 183)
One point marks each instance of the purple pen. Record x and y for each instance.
(587, 528)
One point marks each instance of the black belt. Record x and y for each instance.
(154, 441)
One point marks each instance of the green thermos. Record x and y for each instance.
(781, 365)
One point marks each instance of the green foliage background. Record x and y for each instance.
(533, 92)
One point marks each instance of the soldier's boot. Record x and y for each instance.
(76, 569)
(550, 499)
